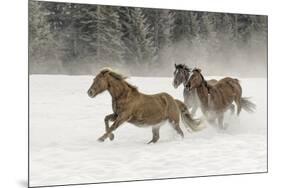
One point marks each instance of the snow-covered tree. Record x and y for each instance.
(106, 34)
(138, 37)
(41, 39)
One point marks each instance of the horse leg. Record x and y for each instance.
(238, 103)
(119, 120)
(232, 108)
(237, 99)
(211, 118)
(220, 121)
(155, 134)
(211, 121)
(176, 126)
(110, 117)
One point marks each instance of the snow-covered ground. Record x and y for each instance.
(65, 124)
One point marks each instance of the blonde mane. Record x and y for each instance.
(118, 76)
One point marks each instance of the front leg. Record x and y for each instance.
(110, 117)
(119, 120)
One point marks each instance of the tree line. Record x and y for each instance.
(73, 38)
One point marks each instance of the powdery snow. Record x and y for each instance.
(65, 125)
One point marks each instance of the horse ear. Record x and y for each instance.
(176, 65)
(104, 72)
(197, 69)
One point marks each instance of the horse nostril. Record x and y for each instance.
(175, 84)
(90, 92)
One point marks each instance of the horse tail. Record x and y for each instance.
(188, 121)
(247, 105)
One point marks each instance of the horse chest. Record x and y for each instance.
(118, 106)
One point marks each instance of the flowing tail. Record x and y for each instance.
(188, 121)
(247, 105)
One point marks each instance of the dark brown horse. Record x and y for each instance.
(191, 100)
(129, 105)
(216, 99)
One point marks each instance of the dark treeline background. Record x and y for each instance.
(67, 38)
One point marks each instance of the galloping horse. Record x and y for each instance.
(191, 100)
(130, 105)
(216, 99)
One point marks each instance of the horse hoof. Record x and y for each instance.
(152, 141)
(111, 137)
(101, 139)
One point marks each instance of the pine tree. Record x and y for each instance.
(186, 25)
(167, 25)
(107, 34)
(62, 18)
(137, 36)
(145, 50)
(162, 25)
(41, 40)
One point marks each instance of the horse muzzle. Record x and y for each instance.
(188, 87)
(91, 93)
(175, 85)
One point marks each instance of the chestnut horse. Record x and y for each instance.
(216, 99)
(142, 110)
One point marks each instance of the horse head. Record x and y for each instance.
(195, 79)
(100, 83)
(181, 74)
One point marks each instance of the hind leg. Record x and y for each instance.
(176, 126)
(220, 121)
(238, 103)
(232, 109)
(237, 99)
(155, 135)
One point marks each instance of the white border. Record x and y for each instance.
(13, 95)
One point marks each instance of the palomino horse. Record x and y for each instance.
(129, 105)
(216, 99)
(191, 100)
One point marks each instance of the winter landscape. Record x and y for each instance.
(65, 125)
(68, 45)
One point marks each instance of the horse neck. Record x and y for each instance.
(186, 77)
(118, 88)
(203, 93)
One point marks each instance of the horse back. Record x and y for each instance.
(212, 82)
(224, 92)
(164, 99)
(166, 102)
(151, 109)
(231, 83)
